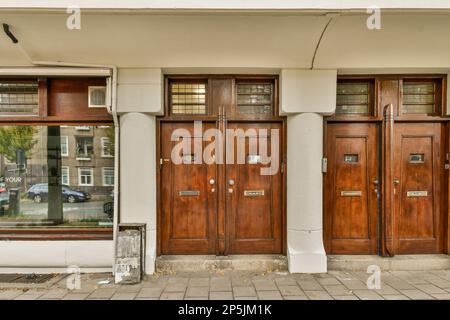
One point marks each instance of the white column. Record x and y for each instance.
(138, 177)
(306, 253)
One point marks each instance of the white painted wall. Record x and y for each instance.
(307, 91)
(305, 249)
(138, 177)
(139, 90)
(56, 255)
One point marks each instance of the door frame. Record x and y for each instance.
(380, 101)
(221, 243)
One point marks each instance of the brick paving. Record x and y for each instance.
(337, 285)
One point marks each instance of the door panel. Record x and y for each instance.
(417, 193)
(351, 189)
(253, 200)
(188, 199)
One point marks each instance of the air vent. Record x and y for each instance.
(97, 97)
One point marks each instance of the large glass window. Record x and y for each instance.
(41, 187)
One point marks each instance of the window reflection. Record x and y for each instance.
(56, 176)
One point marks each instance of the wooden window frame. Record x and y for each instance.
(190, 80)
(372, 110)
(439, 109)
(255, 80)
(42, 96)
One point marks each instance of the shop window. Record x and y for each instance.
(353, 98)
(188, 98)
(255, 98)
(19, 97)
(420, 97)
(36, 189)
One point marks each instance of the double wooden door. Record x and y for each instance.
(367, 214)
(219, 206)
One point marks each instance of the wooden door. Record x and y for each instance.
(351, 188)
(253, 199)
(188, 196)
(418, 168)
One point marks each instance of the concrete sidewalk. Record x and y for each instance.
(337, 285)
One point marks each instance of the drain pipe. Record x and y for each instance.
(112, 95)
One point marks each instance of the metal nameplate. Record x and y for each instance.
(351, 193)
(253, 159)
(253, 193)
(417, 194)
(189, 193)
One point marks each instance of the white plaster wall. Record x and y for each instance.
(56, 254)
(139, 90)
(138, 177)
(307, 91)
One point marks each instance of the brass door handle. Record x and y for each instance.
(396, 181)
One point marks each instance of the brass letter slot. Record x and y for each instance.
(351, 193)
(417, 194)
(253, 193)
(189, 193)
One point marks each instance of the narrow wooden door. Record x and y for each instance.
(351, 188)
(418, 221)
(188, 194)
(253, 199)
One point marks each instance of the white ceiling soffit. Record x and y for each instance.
(55, 71)
(171, 5)
(229, 40)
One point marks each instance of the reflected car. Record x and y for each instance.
(39, 193)
(3, 187)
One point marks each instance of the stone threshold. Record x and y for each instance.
(196, 263)
(416, 262)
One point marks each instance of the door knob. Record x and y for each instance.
(230, 190)
(211, 181)
(231, 182)
(396, 181)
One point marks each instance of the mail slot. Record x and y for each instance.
(254, 193)
(351, 193)
(417, 194)
(189, 193)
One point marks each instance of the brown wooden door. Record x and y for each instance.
(197, 219)
(418, 221)
(254, 200)
(351, 188)
(188, 199)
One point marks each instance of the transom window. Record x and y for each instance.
(188, 98)
(353, 98)
(419, 97)
(254, 98)
(19, 97)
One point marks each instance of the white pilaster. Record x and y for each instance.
(306, 252)
(138, 177)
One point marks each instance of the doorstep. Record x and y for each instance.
(194, 263)
(410, 262)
